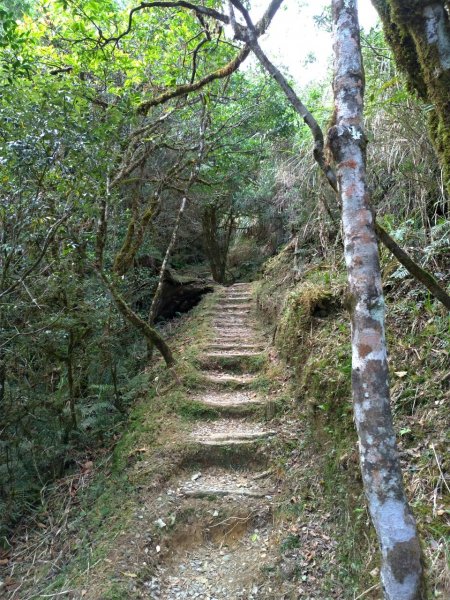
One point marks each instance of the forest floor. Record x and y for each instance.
(235, 475)
(185, 506)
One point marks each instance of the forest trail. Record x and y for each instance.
(220, 556)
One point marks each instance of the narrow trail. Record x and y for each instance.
(228, 488)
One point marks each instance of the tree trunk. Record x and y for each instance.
(151, 335)
(159, 288)
(216, 245)
(419, 35)
(401, 569)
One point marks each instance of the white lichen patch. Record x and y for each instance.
(389, 520)
(436, 32)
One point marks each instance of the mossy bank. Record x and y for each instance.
(305, 311)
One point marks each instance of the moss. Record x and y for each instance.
(405, 29)
(294, 323)
(402, 45)
(278, 274)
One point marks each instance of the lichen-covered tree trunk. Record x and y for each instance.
(401, 570)
(418, 32)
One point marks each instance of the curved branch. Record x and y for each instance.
(194, 58)
(183, 90)
(152, 336)
(199, 10)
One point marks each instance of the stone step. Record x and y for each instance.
(235, 300)
(229, 356)
(231, 361)
(234, 399)
(238, 299)
(232, 354)
(229, 313)
(243, 335)
(226, 321)
(223, 325)
(238, 346)
(250, 332)
(222, 483)
(234, 307)
(227, 379)
(226, 432)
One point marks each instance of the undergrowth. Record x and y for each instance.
(310, 326)
(83, 515)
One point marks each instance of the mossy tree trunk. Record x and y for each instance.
(418, 32)
(401, 570)
(151, 335)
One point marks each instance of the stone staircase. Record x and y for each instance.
(230, 471)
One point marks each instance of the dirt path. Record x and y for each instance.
(228, 491)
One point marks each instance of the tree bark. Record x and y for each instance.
(419, 35)
(401, 568)
(217, 245)
(159, 288)
(151, 335)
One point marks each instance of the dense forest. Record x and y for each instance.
(181, 219)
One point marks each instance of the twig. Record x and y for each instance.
(439, 467)
(56, 594)
(374, 587)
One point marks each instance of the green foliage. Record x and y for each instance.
(68, 361)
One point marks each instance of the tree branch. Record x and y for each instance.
(199, 10)
(220, 73)
(183, 90)
(152, 336)
(48, 239)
